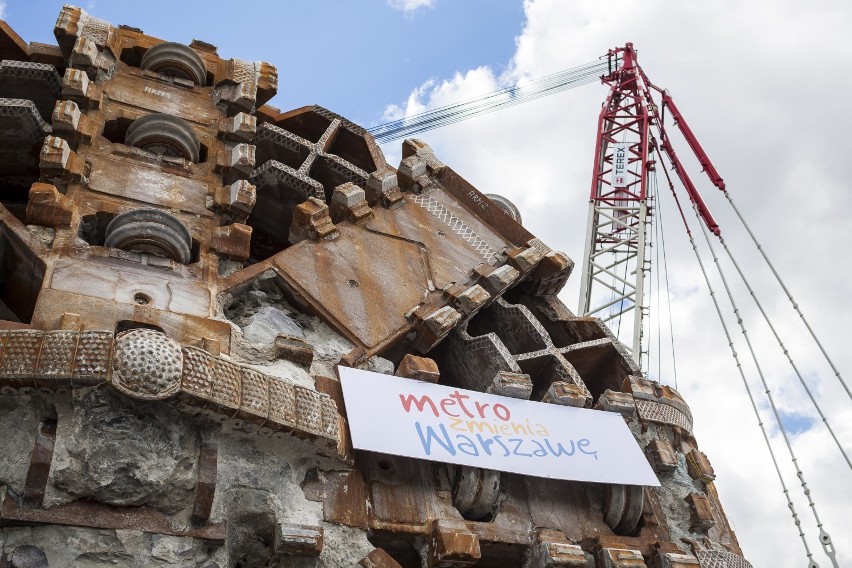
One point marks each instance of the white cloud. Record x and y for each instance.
(410, 6)
(751, 81)
(2, 10)
(434, 93)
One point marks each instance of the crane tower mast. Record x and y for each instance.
(621, 203)
(614, 258)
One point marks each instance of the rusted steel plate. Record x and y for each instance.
(399, 491)
(455, 244)
(95, 515)
(490, 214)
(103, 314)
(379, 559)
(11, 44)
(40, 463)
(148, 93)
(562, 505)
(346, 499)
(124, 178)
(364, 281)
(205, 489)
(449, 213)
(122, 281)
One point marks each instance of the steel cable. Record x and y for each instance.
(811, 562)
(450, 117)
(789, 296)
(536, 85)
(656, 272)
(668, 292)
(825, 539)
(784, 350)
(502, 98)
(650, 244)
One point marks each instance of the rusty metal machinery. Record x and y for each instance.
(182, 268)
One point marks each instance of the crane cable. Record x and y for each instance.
(501, 98)
(623, 292)
(657, 231)
(784, 349)
(508, 96)
(652, 260)
(811, 562)
(789, 297)
(649, 244)
(668, 293)
(825, 539)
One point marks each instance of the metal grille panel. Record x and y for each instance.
(455, 224)
(656, 412)
(716, 559)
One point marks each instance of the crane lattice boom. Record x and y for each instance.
(630, 128)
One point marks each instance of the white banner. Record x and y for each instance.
(422, 420)
(620, 158)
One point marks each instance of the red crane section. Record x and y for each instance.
(693, 142)
(621, 150)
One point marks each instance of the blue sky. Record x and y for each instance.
(758, 83)
(796, 423)
(351, 57)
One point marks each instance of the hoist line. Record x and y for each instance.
(796, 520)
(535, 86)
(623, 294)
(784, 350)
(542, 83)
(502, 98)
(824, 538)
(624, 285)
(789, 295)
(421, 124)
(650, 244)
(668, 290)
(656, 272)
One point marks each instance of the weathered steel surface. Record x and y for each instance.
(40, 463)
(172, 247)
(96, 515)
(146, 365)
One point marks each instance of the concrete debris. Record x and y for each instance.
(95, 548)
(378, 365)
(268, 322)
(122, 454)
(28, 556)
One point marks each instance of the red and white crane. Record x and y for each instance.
(630, 133)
